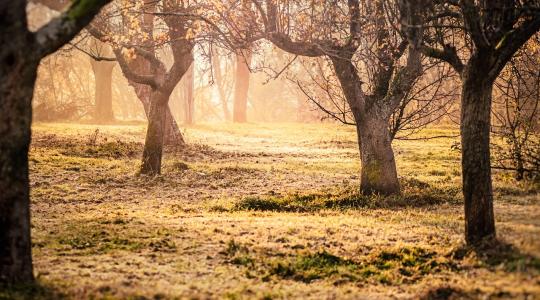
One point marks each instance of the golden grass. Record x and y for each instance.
(100, 231)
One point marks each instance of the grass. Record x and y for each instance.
(265, 211)
(389, 266)
(415, 194)
(34, 291)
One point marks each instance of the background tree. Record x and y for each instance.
(189, 105)
(20, 57)
(223, 85)
(241, 85)
(516, 114)
(102, 64)
(161, 80)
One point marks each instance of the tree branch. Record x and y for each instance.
(130, 75)
(60, 30)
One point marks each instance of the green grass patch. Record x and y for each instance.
(238, 254)
(312, 266)
(108, 236)
(415, 194)
(389, 266)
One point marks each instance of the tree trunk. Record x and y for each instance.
(475, 161)
(378, 173)
(173, 135)
(188, 95)
(241, 86)
(103, 95)
(155, 134)
(16, 89)
(18, 72)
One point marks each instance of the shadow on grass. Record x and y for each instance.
(446, 293)
(499, 254)
(36, 290)
(389, 266)
(415, 193)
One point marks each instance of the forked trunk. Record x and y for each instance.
(173, 135)
(475, 161)
(378, 173)
(153, 145)
(18, 73)
(103, 93)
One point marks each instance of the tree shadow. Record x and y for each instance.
(30, 291)
(496, 253)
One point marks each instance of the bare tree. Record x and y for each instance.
(173, 136)
(360, 40)
(158, 78)
(478, 38)
(516, 114)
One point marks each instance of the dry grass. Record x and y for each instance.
(264, 211)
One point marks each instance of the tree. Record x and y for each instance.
(241, 85)
(221, 82)
(493, 31)
(173, 136)
(516, 114)
(103, 69)
(360, 40)
(20, 56)
(160, 80)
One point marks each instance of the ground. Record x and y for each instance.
(265, 211)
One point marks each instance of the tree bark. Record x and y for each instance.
(20, 55)
(155, 134)
(18, 72)
(241, 86)
(173, 135)
(476, 170)
(103, 93)
(16, 88)
(378, 173)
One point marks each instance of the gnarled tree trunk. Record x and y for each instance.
(475, 161)
(173, 135)
(378, 173)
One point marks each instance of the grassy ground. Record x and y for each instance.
(264, 211)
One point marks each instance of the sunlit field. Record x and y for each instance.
(265, 211)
